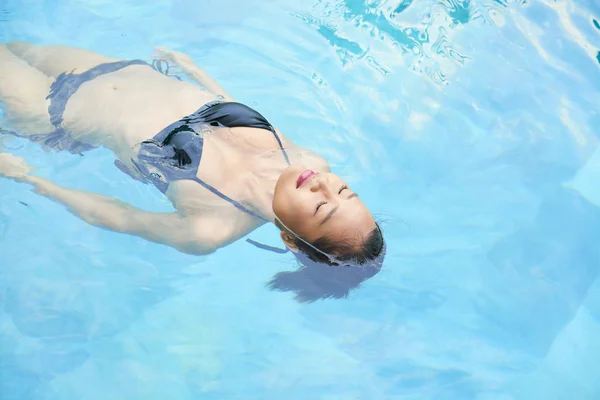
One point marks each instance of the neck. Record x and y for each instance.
(261, 186)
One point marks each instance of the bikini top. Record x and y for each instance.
(175, 152)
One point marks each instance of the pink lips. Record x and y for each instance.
(304, 176)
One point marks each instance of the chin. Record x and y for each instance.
(284, 177)
(287, 179)
(291, 173)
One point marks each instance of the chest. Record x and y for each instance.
(243, 165)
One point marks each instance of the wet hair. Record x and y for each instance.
(346, 250)
(320, 276)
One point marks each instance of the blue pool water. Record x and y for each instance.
(471, 128)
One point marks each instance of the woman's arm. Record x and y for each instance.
(187, 65)
(192, 235)
(170, 228)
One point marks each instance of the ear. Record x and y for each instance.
(289, 241)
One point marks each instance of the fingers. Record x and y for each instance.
(166, 67)
(162, 53)
(171, 57)
(13, 167)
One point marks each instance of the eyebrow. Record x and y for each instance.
(329, 214)
(334, 209)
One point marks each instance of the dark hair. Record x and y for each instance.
(318, 278)
(319, 250)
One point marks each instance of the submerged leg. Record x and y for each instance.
(23, 92)
(54, 60)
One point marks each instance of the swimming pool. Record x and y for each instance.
(471, 128)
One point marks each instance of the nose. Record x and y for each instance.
(320, 184)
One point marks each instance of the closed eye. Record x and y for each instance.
(319, 206)
(351, 196)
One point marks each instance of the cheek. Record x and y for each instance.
(291, 208)
(283, 203)
(300, 211)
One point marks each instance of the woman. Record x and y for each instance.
(223, 166)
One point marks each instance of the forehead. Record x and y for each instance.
(352, 219)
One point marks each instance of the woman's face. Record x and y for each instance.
(314, 204)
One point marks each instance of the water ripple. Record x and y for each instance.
(460, 11)
(401, 7)
(407, 34)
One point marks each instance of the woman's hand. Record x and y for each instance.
(171, 56)
(14, 167)
(187, 66)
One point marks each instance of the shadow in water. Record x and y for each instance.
(315, 281)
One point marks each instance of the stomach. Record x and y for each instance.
(121, 109)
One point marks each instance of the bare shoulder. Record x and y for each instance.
(209, 218)
(212, 231)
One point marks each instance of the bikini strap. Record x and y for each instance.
(228, 199)
(285, 155)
